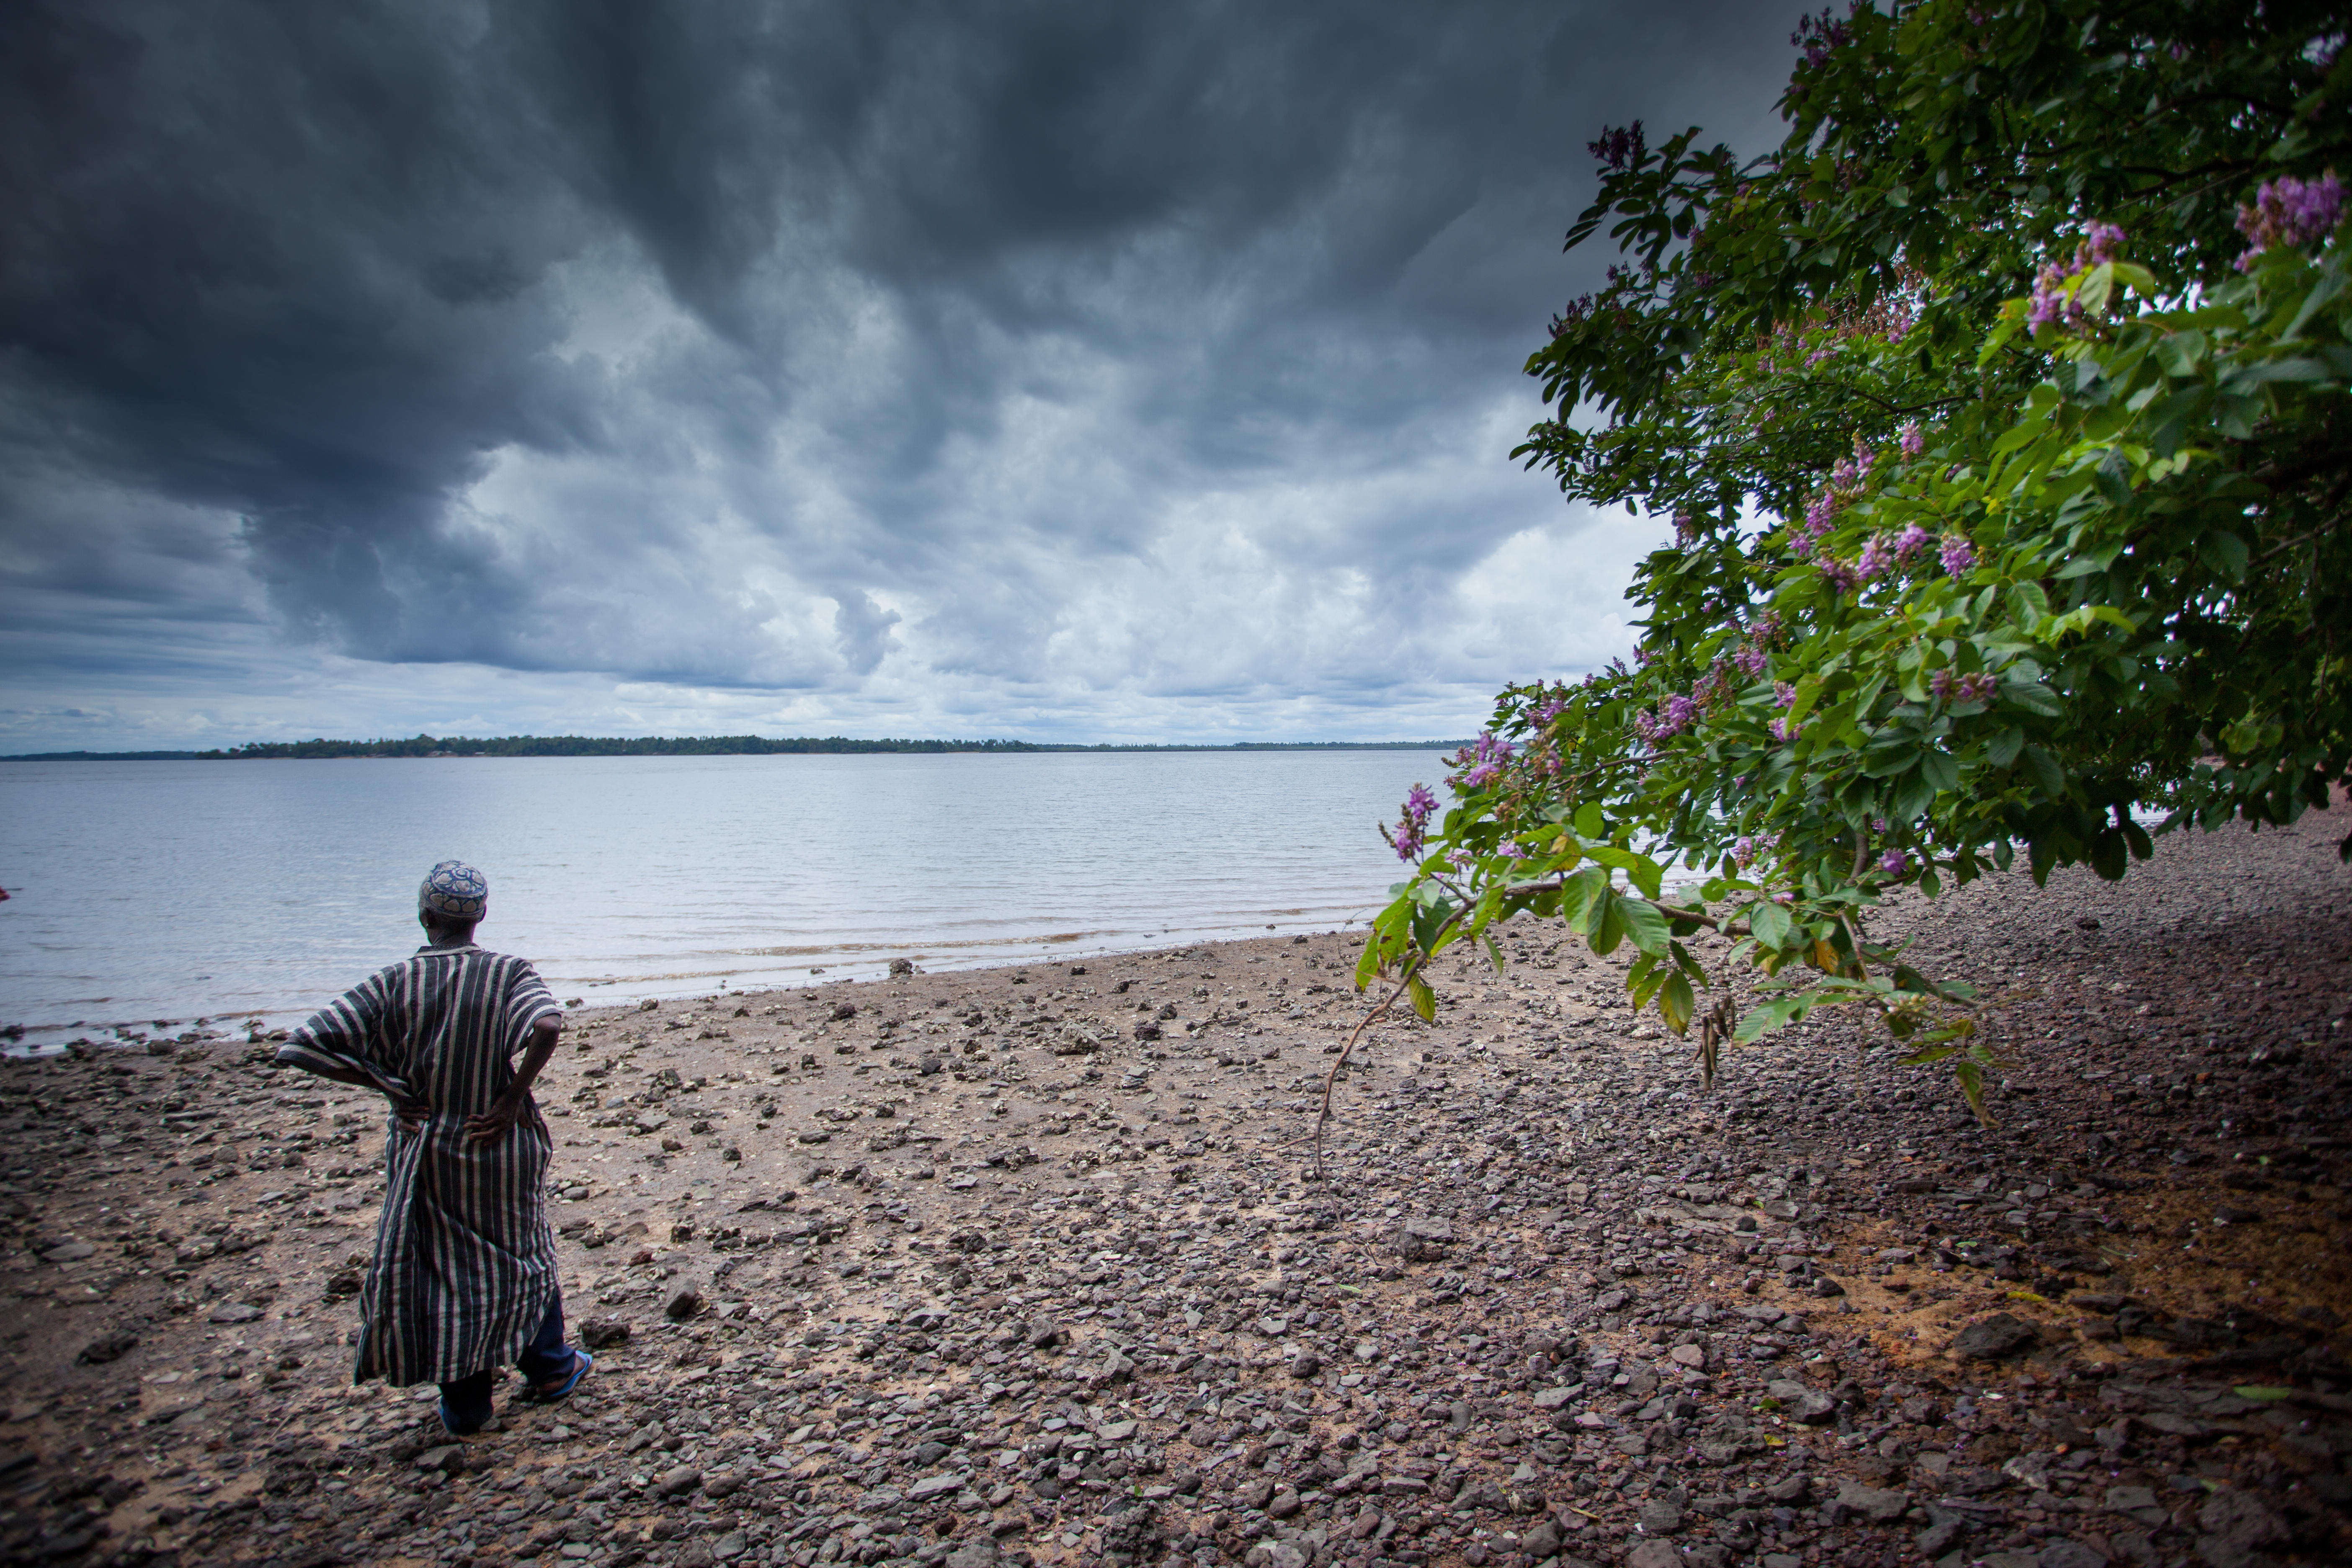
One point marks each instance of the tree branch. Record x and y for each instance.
(1331, 1076)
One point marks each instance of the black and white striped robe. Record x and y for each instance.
(465, 1266)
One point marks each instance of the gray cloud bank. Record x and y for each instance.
(1054, 369)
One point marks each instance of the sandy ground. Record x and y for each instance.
(1033, 1264)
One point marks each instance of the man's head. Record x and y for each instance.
(452, 898)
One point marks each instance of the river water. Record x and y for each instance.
(141, 891)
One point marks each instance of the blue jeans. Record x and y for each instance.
(547, 1357)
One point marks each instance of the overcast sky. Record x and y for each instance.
(1061, 371)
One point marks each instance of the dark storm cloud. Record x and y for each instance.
(776, 346)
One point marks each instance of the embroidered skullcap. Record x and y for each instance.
(455, 891)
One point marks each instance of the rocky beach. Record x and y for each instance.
(1036, 1265)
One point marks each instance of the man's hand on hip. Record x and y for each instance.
(502, 1118)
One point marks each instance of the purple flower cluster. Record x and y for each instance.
(1818, 37)
(2288, 211)
(1482, 763)
(1747, 849)
(1783, 730)
(1412, 828)
(1753, 658)
(1881, 555)
(2051, 305)
(1687, 527)
(1914, 440)
(2047, 307)
(1716, 686)
(1847, 479)
(1894, 863)
(1618, 146)
(1820, 516)
(1965, 689)
(1674, 716)
(2101, 243)
(1574, 312)
(1783, 694)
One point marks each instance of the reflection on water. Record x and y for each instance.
(147, 890)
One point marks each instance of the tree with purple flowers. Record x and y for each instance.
(2001, 414)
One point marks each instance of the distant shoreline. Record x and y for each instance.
(459, 746)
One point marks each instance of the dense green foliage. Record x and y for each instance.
(2001, 412)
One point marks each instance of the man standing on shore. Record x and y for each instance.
(464, 1277)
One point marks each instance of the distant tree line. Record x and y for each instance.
(600, 746)
(666, 746)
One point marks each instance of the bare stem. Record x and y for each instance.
(1330, 1077)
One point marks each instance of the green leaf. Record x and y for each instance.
(2045, 771)
(2270, 372)
(2180, 353)
(1769, 922)
(1971, 1080)
(1604, 921)
(2331, 283)
(2032, 696)
(2107, 855)
(1424, 1001)
(1941, 770)
(1763, 1019)
(1884, 762)
(2224, 552)
(1576, 893)
(1591, 821)
(1913, 795)
(1645, 924)
(2091, 293)
(1639, 869)
(1675, 1003)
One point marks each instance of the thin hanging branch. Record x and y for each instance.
(1330, 1077)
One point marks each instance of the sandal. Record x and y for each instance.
(538, 1394)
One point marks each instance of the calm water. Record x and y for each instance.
(150, 890)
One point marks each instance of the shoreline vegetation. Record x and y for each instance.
(679, 746)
